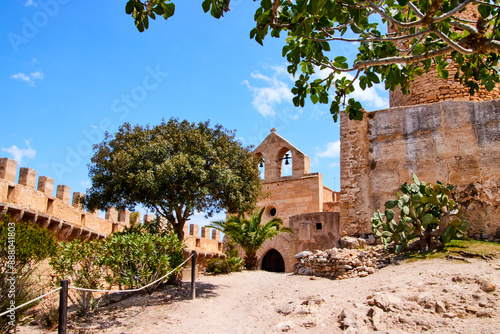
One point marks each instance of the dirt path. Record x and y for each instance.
(437, 296)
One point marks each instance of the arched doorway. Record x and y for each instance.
(273, 261)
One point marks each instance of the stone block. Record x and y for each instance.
(112, 214)
(124, 217)
(27, 177)
(194, 229)
(77, 196)
(8, 169)
(63, 193)
(205, 232)
(46, 185)
(215, 235)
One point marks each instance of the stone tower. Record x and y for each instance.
(427, 88)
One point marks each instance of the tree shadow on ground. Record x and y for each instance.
(118, 313)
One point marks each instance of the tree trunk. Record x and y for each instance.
(179, 229)
(251, 262)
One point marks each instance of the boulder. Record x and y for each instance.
(352, 243)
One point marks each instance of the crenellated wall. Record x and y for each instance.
(203, 240)
(30, 201)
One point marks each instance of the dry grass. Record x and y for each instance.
(469, 246)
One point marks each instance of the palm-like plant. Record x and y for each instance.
(250, 234)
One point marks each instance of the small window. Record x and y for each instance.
(50, 205)
(271, 211)
(319, 226)
(220, 247)
(10, 193)
(198, 243)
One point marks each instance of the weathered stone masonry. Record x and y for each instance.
(301, 200)
(455, 142)
(68, 221)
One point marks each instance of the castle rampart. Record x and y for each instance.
(63, 214)
(65, 217)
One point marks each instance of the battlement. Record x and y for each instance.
(208, 241)
(62, 214)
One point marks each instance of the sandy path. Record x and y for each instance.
(263, 302)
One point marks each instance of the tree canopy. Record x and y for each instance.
(423, 34)
(175, 169)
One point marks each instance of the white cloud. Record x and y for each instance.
(332, 150)
(29, 3)
(30, 79)
(21, 76)
(266, 99)
(20, 153)
(37, 75)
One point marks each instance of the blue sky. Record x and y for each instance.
(72, 70)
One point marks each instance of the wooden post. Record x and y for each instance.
(63, 307)
(193, 275)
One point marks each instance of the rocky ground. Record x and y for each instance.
(434, 296)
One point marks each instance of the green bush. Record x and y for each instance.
(22, 248)
(130, 259)
(136, 259)
(226, 266)
(426, 212)
(78, 262)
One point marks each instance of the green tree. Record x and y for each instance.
(251, 233)
(423, 34)
(174, 169)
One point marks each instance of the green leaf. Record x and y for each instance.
(389, 214)
(386, 234)
(169, 9)
(206, 6)
(484, 10)
(456, 222)
(340, 59)
(427, 219)
(391, 204)
(129, 7)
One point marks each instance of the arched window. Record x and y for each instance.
(262, 166)
(286, 162)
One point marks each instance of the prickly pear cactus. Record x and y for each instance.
(426, 212)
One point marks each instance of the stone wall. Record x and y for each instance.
(63, 215)
(300, 200)
(203, 240)
(453, 141)
(428, 89)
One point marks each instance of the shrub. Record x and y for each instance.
(130, 259)
(226, 266)
(22, 248)
(78, 262)
(426, 212)
(137, 259)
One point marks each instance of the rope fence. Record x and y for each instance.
(63, 293)
(133, 290)
(31, 301)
